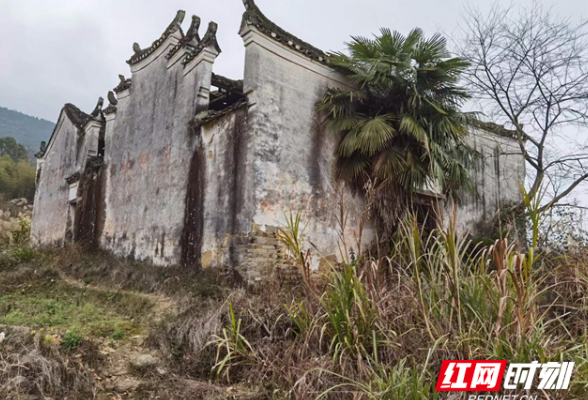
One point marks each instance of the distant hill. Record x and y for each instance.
(27, 130)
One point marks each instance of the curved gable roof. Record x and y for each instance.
(77, 117)
(141, 54)
(254, 17)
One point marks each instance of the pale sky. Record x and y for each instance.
(71, 51)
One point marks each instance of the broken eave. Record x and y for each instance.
(226, 84)
(73, 178)
(208, 116)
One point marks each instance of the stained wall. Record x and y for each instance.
(151, 161)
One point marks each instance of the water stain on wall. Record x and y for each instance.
(193, 231)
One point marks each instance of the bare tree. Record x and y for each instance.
(529, 72)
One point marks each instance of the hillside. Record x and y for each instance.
(27, 130)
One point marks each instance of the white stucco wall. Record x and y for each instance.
(172, 190)
(500, 170)
(66, 154)
(149, 148)
(294, 157)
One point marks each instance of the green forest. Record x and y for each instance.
(20, 137)
(17, 173)
(27, 130)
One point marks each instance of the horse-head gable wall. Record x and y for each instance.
(193, 168)
(293, 153)
(149, 147)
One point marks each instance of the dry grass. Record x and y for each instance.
(374, 328)
(31, 365)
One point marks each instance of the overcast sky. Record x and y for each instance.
(71, 51)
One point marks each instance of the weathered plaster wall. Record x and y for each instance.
(172, 192)
(67, 153)
(90, 208)
(149, 153)
(51, 197)
(500, 170)
(293, 156)
(228, 203)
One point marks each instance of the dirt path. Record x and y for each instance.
(162, 305)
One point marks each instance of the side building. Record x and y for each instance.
(184, 166)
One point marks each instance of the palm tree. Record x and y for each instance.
(401, 125)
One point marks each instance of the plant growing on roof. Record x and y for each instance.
(401, 124)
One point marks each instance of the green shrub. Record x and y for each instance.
(72, 339)
(17, 179)
(23, 254)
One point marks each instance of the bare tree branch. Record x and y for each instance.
(530, 71)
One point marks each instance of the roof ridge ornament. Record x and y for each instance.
(208, 40)
(192, 38)
(254, 17)
(124, 84)
(175, 25)
(112, 98)
(194, 26)
(98, 108)
(113, 101)
(42, 150)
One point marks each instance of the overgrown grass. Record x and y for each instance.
(14, 246)
(53, 303)
(372, 328)
(380, 328)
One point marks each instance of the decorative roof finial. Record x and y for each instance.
(111, 109)
(98, 108)
(136, 48)
(181, 14)
(212, 28)
(123, 85)
(208, 40)
(249, 4)
(112, 98)
(42, 150)
(192, 38)
(193, 30)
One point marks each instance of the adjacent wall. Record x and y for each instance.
(500, 170)
(74, 140)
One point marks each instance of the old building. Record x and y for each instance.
(186, 166)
